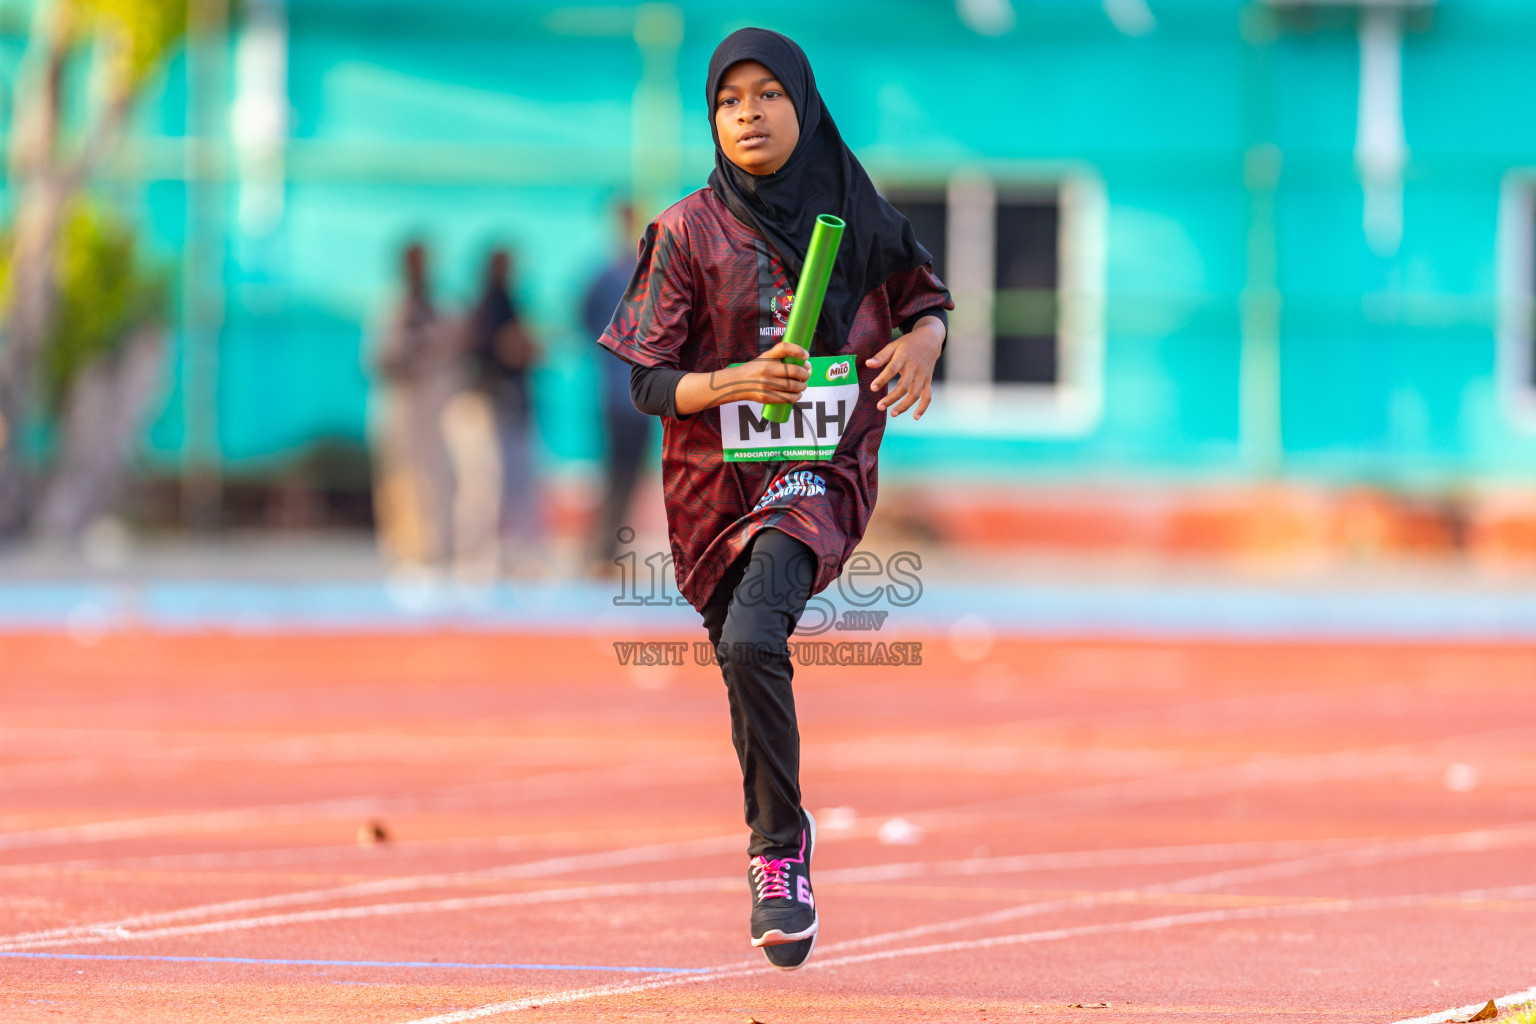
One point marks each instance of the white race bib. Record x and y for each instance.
(816, 423)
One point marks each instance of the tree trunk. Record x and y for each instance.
(105, 411)
(34, 297)
(46, 181)
(39, 210)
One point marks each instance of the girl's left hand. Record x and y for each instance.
(912, 357)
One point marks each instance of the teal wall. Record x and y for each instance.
(465, 122)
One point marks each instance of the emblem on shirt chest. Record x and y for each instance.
(779, 305)
(774, 303)
(775, 297)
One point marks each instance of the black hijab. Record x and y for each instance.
(821, 176)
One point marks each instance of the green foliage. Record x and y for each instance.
(140, 32)
(105, 293)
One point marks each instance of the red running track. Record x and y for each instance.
(1185, 831)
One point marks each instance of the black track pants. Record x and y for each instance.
(750, 617)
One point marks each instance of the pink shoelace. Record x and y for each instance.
(772, 880)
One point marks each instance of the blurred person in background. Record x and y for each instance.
(628, 429)
(505, 351)
(420, 364)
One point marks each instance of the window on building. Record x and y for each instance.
(1016, 256)
(1025, 338)
(1023, 263)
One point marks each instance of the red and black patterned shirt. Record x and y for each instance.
(709, 292)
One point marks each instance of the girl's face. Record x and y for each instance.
(756, 122)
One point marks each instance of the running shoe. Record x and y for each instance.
(783, 907)
(787, 956)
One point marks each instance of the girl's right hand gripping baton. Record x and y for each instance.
(809, 294)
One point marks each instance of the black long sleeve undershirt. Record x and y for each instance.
(653, 389)
(938, 311)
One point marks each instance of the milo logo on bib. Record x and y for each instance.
(816, 422)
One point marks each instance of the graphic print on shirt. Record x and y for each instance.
(816, 422)
(800, 484)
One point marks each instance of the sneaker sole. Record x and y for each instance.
(774, 937)
(795, 967)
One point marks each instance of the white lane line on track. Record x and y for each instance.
(95, 932)
(1077, 859)
(1473, 841)
(259, 817)
(111, 930)
(1395, 762)
(1145, 924)
(351, 852)
(1377, 853)
(672, 888)
(73, 771)
(1129, 791)
(192, 823)
(349, 746)
(1502, 1002)
(1513, 892)
(447, 798)
(628, 890)
(532, 869)
(371, 910)
(596, 992)
(1321, 906)
(1202, 782)
(1060, 861)
(1000, 757)
(1138, 790)
(210, 745)
(1479, 839)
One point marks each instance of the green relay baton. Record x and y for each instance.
(812, 288)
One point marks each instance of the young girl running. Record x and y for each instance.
(753, 540)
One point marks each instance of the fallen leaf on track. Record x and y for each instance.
(1486, 1013)
(371, 833)
(1105, 1006)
